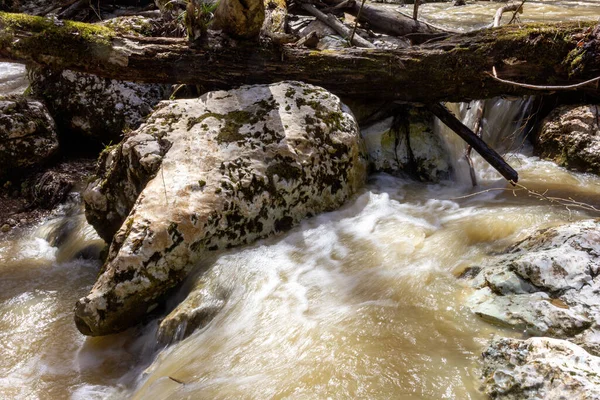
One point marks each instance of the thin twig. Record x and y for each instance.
(356, 21)
(557, 201)
(416, 9)
(538, 87)
(164, 185)
(516, 11)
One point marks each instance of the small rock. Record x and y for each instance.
(5, 228)
(540, 368)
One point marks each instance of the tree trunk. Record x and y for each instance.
(453, 69)
(390, 22)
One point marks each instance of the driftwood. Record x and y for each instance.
(488, 154)
(452, 69)
(340, 28)
(390, 22)
(502, 10)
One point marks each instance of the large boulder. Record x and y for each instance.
(27, 134)
(407, 145)
(540, 368)
(211, 173)
(545, 285)
(94, 107)
(570, 136)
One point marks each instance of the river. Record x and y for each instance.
(363, 302)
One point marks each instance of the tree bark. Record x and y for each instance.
(390, 22)
(453, 69)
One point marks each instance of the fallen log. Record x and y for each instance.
(390, 22)
(452, 69)
(340, 28)
(386, 21)
(488, 154)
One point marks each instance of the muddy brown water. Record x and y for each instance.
(362, 302)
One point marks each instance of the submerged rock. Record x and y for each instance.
(201, 305)
(406, 144)
(540, 368)
(211, 173)
(93, 107)
(546, 284)
(570, 136)
(27, 134)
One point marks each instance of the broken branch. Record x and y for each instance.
(488, 154)
(340, 28)
(546, 87)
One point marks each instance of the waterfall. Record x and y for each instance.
(502, 126)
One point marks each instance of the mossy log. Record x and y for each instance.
(456, 68)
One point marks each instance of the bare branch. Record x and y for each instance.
(550, 88)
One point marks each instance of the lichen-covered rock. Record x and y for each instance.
(570, 136)
(218, 171)
(97, 108)
(540, 368)
(546, 284)
(406, 144)
(27, 134)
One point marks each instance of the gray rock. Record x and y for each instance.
(27, 134)
(533, 313)
(570, 136)
(408, 145)
(97, 108)
(540, 368)
(211, 173)
(546, 284)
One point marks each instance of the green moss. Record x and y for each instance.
(290, 92)
(68, 41)
(234, 120)
(197, 120)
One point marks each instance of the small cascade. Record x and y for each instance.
(70, 234)
(502, 128)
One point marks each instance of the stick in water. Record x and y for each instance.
(488, 154)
